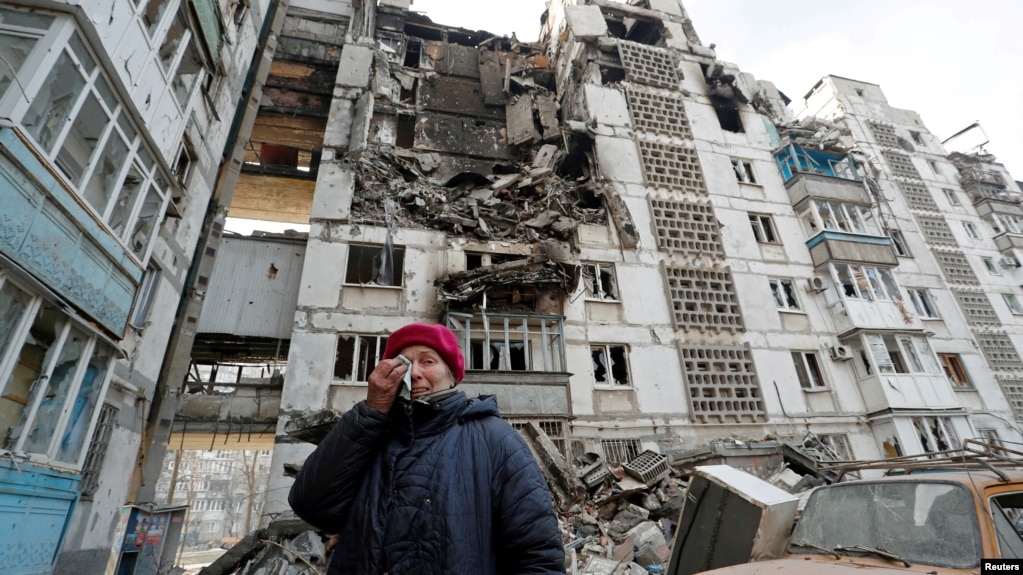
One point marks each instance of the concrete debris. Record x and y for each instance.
(618, 520)
(531, 202)
(530, 272)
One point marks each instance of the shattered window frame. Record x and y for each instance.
(900, 354)
(361, 352)
(952, 197)
(838, 443)
(70, 364)
(356, 269)
(744, 173)
(809, 370)
(119, 179)
(600, 281)
(955, 371)
(971, 231)
(793, 160)
(784, 292)
(764, 230)
(923, 303)
(481, 335)
(992, 268)
(97, 451)
(865, 283)
(617, 354)
(899, 243)
(554, 429)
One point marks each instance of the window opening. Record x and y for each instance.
(743, 170)
(899, 243)
(763, 228)
(618, 451)
(610, 364)
(599, 281)
(955, 371)
(365, 262)
(1013, 302)
(784, 291)
(357, 355)
(808, 370)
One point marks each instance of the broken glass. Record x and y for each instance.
(916, 521)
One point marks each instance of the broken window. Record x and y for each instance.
(743, 170)
(510, 342)
(901, 353)
(187, 73)
(843, 217)
(808, 370)
(763, 228)
(145, 296)
(794, 160)
(952, 197)
(837, 444)
(619, 451)
(375, 265)
(413, 50)
(599, 281)
(936, 434)
(784, 291)
(955, 371)
(728, 115)
(19, 34)
(899, 243)
(923, 305)
(406, 136)
(866, 282)
(48, 363)
(610, 364)
(357, 355)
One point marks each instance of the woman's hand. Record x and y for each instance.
(384, 383)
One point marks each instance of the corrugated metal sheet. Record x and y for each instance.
(254, 287)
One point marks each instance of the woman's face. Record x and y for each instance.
(429, 372)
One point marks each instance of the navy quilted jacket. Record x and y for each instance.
(449, 488)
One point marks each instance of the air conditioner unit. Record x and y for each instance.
(1008, 263)
(816, 284)
(841, 353)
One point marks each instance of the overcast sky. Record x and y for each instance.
(953, 61)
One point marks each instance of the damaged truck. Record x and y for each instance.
(943, 514)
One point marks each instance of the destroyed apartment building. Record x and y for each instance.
(642, 249)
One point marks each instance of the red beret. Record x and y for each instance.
(436, 337)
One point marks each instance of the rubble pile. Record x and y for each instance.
(529, 202)
(615, 519)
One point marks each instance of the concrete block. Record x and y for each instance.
(339, 124)
(619, 160)
(673, 7)
(404, 4)
(586, 22)
(356, 64)
(335, 185)
(607, 106)
(321, 285)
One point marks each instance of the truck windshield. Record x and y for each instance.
(930, 523)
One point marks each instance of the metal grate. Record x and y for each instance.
(884, 135)
(618, 451)
(660, 113)
(555, 431)
(671, 167)
(97, 451)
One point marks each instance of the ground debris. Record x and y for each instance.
(615, 519)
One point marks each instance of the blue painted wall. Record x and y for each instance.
(46, 231)
(35, 506)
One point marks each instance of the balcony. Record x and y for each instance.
(828, 247)
(864, 297)
(518, 358)
(811, 185)
(899, 371)
(794, 161)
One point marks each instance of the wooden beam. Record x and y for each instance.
(272, 198)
